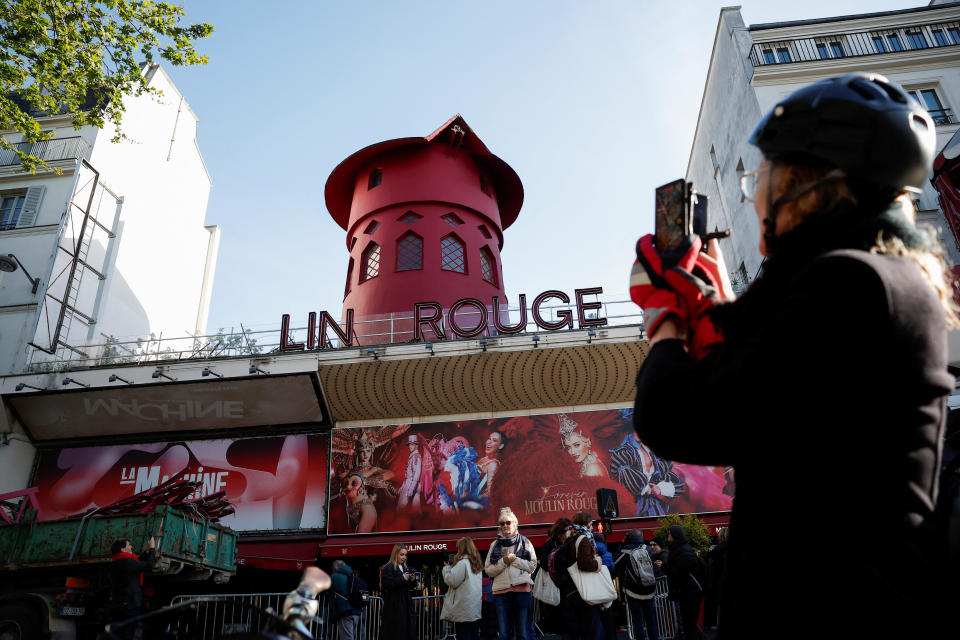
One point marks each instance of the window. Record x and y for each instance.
(353, 243)
(822, 51)
(370, 262)
(954, 35)
(373, 226)
(916, 40)
(346, 287)
(740, 172)
(409, 217)
(452, 254)
(768, 57)
(930, 100)
(485, 186)
(452, 220)
(10, 209)
(409, 252)
(484, 232)
(488, 266)
(894, 41)
(18, 209)
(939, 39)
(878, 44)
(836, 48)
(375, 179)
(783, 55)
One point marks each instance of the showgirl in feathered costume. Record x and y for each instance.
(465, 481)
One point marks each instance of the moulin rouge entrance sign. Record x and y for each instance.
(431, 315)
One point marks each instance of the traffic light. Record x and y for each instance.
(605, 526)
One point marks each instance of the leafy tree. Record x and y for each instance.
(697, 534)
(81, 57)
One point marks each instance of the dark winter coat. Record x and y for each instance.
(683, 573)
(828, 399)
(398, 618)
(126, 588)
(340, 585)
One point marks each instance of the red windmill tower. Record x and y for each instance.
(424, 219)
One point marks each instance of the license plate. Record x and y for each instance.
(73, 611)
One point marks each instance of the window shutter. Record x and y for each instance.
(31, 205)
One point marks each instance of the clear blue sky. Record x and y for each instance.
(593, 104)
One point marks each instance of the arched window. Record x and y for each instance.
(409, 252)
(488, 266)
(453, 257)
(370, 263)
(376, 177)
(346, 287)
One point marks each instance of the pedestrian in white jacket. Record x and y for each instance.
(511, 562)
(463, 601)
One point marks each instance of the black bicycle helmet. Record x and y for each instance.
(862, 123)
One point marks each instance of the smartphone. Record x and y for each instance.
(672, 222)
(700, 203)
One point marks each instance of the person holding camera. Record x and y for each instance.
(824, 385)
(462, 604)
(397, 581)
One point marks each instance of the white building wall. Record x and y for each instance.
(162, 258)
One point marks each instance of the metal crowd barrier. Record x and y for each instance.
(216, 615)
(668, 618)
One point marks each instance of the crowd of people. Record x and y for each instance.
(503, 608)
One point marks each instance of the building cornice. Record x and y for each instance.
(861, 22)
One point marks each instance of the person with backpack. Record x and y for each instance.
(685, 577)
(347, 600)
(463, 603)
(634, 568)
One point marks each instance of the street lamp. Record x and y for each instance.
(10, 262)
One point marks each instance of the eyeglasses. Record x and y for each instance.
(505, 523)
(748, 184)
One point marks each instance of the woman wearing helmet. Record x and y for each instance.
(825, 384)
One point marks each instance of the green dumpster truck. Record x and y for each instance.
(53, 574)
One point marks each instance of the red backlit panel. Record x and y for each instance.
(410, 252)
(452, 256)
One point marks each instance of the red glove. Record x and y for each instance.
(650, 290)
(698, 289)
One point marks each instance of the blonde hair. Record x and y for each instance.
(507, 512)
(831, 194)
(723, 533)
(466, 548)
(395, 555)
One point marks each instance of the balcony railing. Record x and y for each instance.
(47, 150)
(942, 116)
(895, 39)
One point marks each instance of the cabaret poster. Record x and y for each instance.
(449, 475)
(272, 483)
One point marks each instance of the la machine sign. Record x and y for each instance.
(430, 314)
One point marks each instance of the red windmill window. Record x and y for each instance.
(375, 179)
(483, 230)
(373, 226)
(488, 266)
(452, 220)
(409, 217)
(346, 287)
(370, 265)
(452, 254)
(409, 252)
